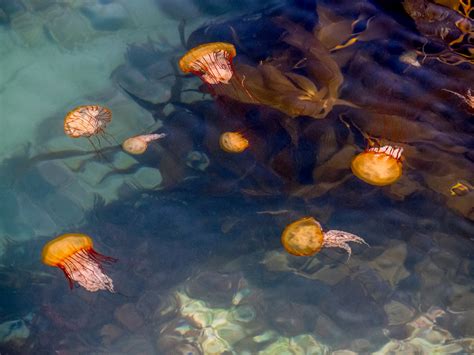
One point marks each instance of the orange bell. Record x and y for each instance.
(303, 237)
(233, 142)
(212, 62)
(378, 166)
(74, 254)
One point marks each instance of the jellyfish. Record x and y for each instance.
(460, 188)
(87, 121)
(305, 237)
(410, 58)
(138, 144)
(74, 254)
(378, 166)
(233, 142)
(212, 62)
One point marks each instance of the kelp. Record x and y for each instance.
(464, 7)
(287, 91)
(290, 93)
(422, 111)
(445, 26)
(310, 84)
(337, 33)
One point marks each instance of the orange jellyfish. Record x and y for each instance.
(138, 144)
(74, 254)
(233, 142)
(212, 62)
(378, 166)
(87, 121)
(305, 237)
(461, 188)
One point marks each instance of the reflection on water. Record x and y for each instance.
(195, 218)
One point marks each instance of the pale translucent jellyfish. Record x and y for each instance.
(233, 142)
(212, 62)
(305, 237)
(139, 144)
(378, 165)
(75, 256)
(87, 121)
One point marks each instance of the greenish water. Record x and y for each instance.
(196, 231)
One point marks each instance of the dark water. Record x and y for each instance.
(196, 231)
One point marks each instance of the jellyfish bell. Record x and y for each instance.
(212, 62)
(305, 237)
(378, 166)
(87, 121)
(233, 142)
(139, 144)
(135, 145)
(461, 188)
(74, 254)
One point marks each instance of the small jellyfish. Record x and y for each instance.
(74, 254)
(305, 237)
(378, 166)
(87, 121)
(233, 142)
(461, 188)
(212, 62)
(410, 58)
(138, 144)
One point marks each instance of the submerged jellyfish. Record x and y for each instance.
(461, 188)
(378, 166)
(233, 142)
(212, 62)
(138, 144)
(87, 121)
(74, 254)
(305, 237)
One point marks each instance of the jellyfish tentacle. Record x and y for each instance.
(102, 258)
(104, 133)
(90, 275)
(153, 137)
(75, 256)
(214, 67)
(339, 239)
(97, 151)
(67, 273)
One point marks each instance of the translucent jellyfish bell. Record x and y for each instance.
(74, 254)
(86, 121)
(305, 237)
(212, 62)
(233, 142)
(378, 166)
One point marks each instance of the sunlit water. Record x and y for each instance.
(196, 231)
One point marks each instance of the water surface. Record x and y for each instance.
(196, 231)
